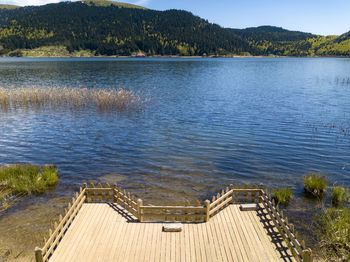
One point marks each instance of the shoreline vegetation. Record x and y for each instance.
(20, 180)
(62, 52)
(331, 225)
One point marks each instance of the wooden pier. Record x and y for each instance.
(108, 224)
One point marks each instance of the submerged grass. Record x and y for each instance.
(282, 196)
(106, 99)
(315, 184)
(339, 195)
(19, 180)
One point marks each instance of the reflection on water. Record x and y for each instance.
(210, 123)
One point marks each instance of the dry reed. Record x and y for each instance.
(107, 99)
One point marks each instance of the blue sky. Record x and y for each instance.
(323, 17)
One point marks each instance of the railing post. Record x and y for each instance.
(139, 209)
(307, 255)
(207, 210)
(124, 200)
(261, 187)
(39, 255)
(233, 194)
(85, 193)
(115, 198)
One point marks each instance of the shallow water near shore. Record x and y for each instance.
(208, 123)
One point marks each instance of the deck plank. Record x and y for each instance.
(113, 241)
(221, 254)
(88, 251)
(237, 245)
(101, 233)
(241, 236)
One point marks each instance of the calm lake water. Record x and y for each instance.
(209, 123)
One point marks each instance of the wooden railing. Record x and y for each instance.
(113, 194)
(232, 195)
(257, 194)
(60, 227)
(99, 193)
(116, 194)
(185, 213)
(286, 230)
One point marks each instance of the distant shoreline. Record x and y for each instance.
(62, 52)
(176, 56)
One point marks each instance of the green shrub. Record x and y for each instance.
(339, 195)
(282, 196)
(16, 53)
(315, 184)
(334, 230)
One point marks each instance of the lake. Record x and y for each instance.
(207, 123)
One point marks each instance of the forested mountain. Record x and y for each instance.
(112, 28)
(269, 40)
(271, 33)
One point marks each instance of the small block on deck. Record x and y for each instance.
(172, 227)
(248, 207)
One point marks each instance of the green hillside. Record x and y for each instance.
(108, 3)
(338, 46)
(100, 27)
(112, 30)
(269, 40)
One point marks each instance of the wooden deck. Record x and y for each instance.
(106, 232)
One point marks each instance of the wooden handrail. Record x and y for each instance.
(43, 254)
(188, 208)
(285, 229)
(217, 201)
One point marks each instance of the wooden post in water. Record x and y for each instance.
(139, 210)
(307, 255)
(39, 255)
(207, 210)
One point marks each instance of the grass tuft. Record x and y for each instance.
(282, 196)
(334, 230)
(339, 195)
(20, 180)
(315, 184)
(50, 175)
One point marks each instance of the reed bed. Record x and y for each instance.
(107, 99)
